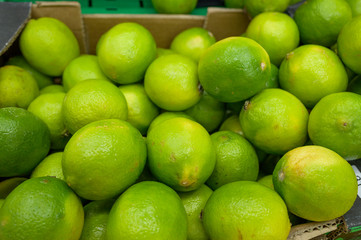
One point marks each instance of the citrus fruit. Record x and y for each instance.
(92, 100)
(255, 7)
(96, 215)
(41, 79)
(276, 32)
(141, 110)
(266, 181)
(194, 203)
(17, 87)
(50, 166)
(103, 158)
(335, 123)
(232, 124)
(2, 202)
(234, 69)
(234, 107)
(274, 121)
(52, 89)
(164, 51)
(349, 44)
(174, 6)
(268, 165)
(313, 181)
(246, 210)
(234, 3)
(273, 80)
(236, 159)
(209, 112)
(311, 72)
(48, 45)
(24, 141)
(192, 42)
(148, 210)
(171, 82)
(9, 184)
(167, 115)
(48, 107)
(41, 208)
(180, 153)
(320, 21)
(125, 52)
(82, 68)
(355, 7)
(355, 85)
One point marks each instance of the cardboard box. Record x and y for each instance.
(220, 21)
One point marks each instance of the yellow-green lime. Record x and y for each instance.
(50, 166)
(103, 158)
(349, 44)
(180, 153)
(96, 216)
(48, 45)
(171, 82)
(2, 202)
(148, 210)
(167, 115)
(246, 210)
(41, 79)
(192, 42)
(209, 112)
(17, 87)
(355, 85)
(9, 184)
(232, 124)
(276, 32)
(48, 107)
(194, 203)
(174, 6)
(24, 141)
(320, 21)
(234, 3)
(234, 69)
(54, 88)
(164, 51)
(141, 110)
(311, 72)
(92, 100)
(266, 181)
(125, 52)
(41, 208)
(274, 121)
(236, 159)
(82, 68)
(273, 81)
(313, 181)
(335, 123)
(255, 7)
(355, 7)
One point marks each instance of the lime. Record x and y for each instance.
(266, 181)
(82, 68)
(273, 80)
(9, 184)
(194, 203)
(52, 89)
(50, 166)
(236, 159)
(234, 69)
(164, 51)
(276, 32)
(355, 7)
(125, 52)
(320, 21)
(355, 85)
(232, 124)
(48, 45)
(234, 3)
(174, 6)
(311, 72)
(335, 123)
(167, 115)
(24, 141)
(255, 7)
(313, 181)
(180, 153)
(141, 110)
(148, 210)
(246, 210)
(171, 82)
(274, 121)
(101, 149)
(41, 208)
(92, 100)
(192, 42)
(41, 79)
(17, 87)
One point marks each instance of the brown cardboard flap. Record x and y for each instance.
(223, 22)
(67, 12)
(164, 27)
(312, 229)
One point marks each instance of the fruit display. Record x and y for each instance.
(242, 137)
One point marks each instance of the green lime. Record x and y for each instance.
(234, 3)
(174, 6)
(50, 166)
(8, 185)
(355, 7)
(52, 89)
(232, 124)
(355, 85)
(255, 7)
(167, 115)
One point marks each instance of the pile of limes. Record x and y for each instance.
(238, 138)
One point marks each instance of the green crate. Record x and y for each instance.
(115, 4)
